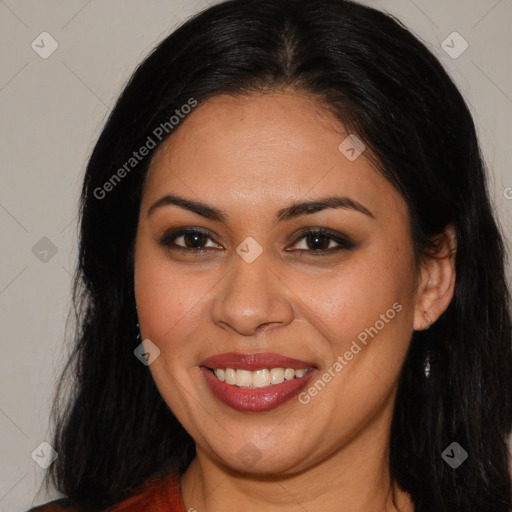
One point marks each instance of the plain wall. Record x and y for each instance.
(52, 111)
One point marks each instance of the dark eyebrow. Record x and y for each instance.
(287, 213)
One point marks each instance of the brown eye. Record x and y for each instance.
(320, 241)
(194, 239)
(190, 240)
(317, 241)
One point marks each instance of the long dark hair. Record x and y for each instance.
(113, 430)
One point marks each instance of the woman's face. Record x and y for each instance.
(257, 289)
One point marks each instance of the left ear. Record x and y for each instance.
(436, 280)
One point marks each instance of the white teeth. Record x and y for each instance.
(259, 378)
(276, 375)
(289, 373)
(230, 375)
(243, 378)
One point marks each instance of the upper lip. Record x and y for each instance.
(254, 361)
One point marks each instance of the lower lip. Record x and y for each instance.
(255, 399)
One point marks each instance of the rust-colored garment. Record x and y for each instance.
(154, 495)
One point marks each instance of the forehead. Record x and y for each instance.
(261, 149)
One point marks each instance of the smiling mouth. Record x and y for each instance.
(255, 382)
(263, 378)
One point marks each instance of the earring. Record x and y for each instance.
(426, 367)
(427, 318)
(137, 324)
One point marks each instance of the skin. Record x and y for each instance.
(251, 156)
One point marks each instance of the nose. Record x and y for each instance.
(252, 297)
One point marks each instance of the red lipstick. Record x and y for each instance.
(255, 399)
(254, 362)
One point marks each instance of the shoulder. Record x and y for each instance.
(155, 495)
(60, 505)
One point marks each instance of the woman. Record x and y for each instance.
(289, 202)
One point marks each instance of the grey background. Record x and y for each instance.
(52, 111)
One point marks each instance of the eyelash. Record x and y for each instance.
(344, 242)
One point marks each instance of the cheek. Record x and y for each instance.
(169, 302)
(166, 306)
(365, 312)
(344, 302)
